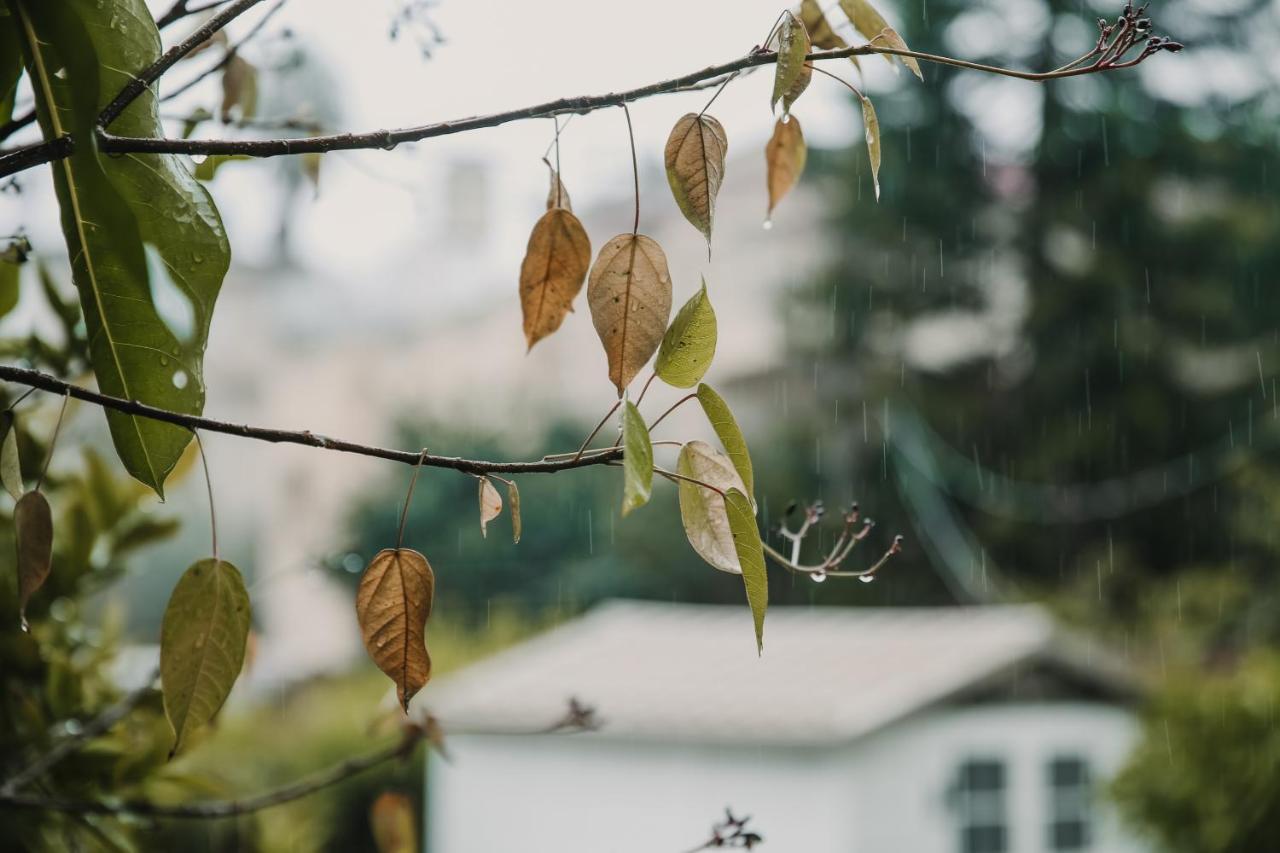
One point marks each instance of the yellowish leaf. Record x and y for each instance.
(490, 504)
(871, 24)
(702, 511)
(730, 434)
(391, 817)
(871, 126)
(513, 501)
(202, 644)
(784, 157)
(820, 31)
(792, 74)
(239, 90)
(392, 606)
(750, 551)
(10, 465)
(555, 265)
(33, 532)
(629, 291)
(694, 157)
(557, 195)
(637, 460)
(890, 38)
(689, 344)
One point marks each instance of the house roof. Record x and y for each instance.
(690, 672)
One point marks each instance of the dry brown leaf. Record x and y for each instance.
(695, 167)
(629, 291)
(889, 36)
(820, 32)
(557, 195)
(393, 825)
(871, 126)
(392, 605)
(784, 157)
(239, 90)
(33, 532)
(555, 265)
(490, 504)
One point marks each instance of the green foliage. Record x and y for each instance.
(637, 463)
(148, 249)
(689, 344)
(746, 541)
(1206, 776)
(726, 426)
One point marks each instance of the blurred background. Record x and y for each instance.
(1047, 356)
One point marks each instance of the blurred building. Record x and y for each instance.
(973, 730)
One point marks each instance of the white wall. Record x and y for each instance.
(887, 794)
(903, 775)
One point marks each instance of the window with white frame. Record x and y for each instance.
(1070, 804)
(980, 806)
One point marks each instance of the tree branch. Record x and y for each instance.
(46, 382)
(339, 772)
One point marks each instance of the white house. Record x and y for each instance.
(951, 730)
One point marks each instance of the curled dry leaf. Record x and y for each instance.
(750, 551)
(513, 501)
(10, 466)
(819, 28)
(890, 38)
(239, 90)
(784, 157)
(555, 265)
(637, 459)
(702, 511)
(689, 344)
(557, 195)
(392, 606)
(33, 532)
(391, 819)
(202, 644)
(490, 504)
(871, 125)
(629, 291)
(730, 435)
(792, 73)
(694, 158)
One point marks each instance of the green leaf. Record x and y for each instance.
(33, 532)
(637, 461)
(148, 250)
(202, 642)
(9, 283)
(746, 541)
(513, 501)
(871, 125)
(792, 74)
(726, 427)
(702, 511)
(10, 63)
(689, 344)
(10, 467)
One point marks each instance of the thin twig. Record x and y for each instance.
(98, 725)
(229, 54)
(593, 432)
(208, 482)
(46, 382)
(339, 772)
(53, 442)
(408, 498)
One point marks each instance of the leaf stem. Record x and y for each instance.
(592, 435)
(404, 513)
(635, 167)
(673, 476)
(208, 483)
(53, 442)
(677, 404)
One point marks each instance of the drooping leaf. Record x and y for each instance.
(819, 28)
(392, 822)
(726, 427)
(117, 210)
(239, 91)
(557, 195)
(890, 38)
(750, 550)
(637, 460)
(689, 344)
(513, 501)
(694, 158)
(392, 606)
(202, 644)
(555, 265)
(490, 504)
(871, 126)
(310, 164)
(10, 466)
(10, 280)
(10, 63)
(792, 74)
(871, 24)
(33, 532)
(784, 157)
(702, 511)
(629, 291)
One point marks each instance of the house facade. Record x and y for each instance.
(950, 730)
